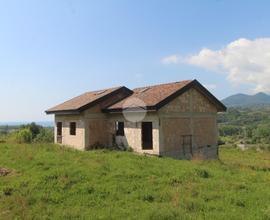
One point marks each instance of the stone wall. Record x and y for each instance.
(77, 141)
(100, 132)
(90, 120)
(189, 114)
(204, 131)
(172, 131)
(190, 101)
(96, 127)
(133, 133)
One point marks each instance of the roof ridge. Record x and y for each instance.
(85, 93)
(95, 91)
(163, 84)
(80, 101)
(165, 94)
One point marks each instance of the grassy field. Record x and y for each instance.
(51, 182)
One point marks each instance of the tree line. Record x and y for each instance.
(29, 133)
(251, 126)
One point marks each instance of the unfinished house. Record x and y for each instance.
(176, 119)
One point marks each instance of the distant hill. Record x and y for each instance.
(42, 123)
(243, 100)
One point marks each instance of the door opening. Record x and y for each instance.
(147, 135)
(187, 144)
(59, 132)
(120, 128)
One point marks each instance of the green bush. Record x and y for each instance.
(45, 136)
(28, 134)
(34, 128)
(24, 136)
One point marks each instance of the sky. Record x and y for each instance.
(51, 51)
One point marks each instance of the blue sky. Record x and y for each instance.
(53, 50)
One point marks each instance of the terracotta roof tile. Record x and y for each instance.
(82, 100)
(150, 95)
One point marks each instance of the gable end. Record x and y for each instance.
(200, 88)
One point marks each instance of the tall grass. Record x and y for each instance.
(52, 182)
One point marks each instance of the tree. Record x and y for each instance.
(34, 128)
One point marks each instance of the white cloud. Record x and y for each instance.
(171, 59)
(243, 61)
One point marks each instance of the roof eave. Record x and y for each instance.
(89, 105)
(62, 112)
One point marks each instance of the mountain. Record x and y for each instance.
(243, 100)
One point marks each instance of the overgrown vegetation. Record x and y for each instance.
(30, 133)
(46, 181)
(245, 125)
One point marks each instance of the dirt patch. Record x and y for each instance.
(4, 171)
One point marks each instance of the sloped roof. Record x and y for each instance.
(85, 100)
(149, 97)
(156, 96)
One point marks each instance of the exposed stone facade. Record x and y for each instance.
(77, 141)
(189, 116)
(133, 136)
